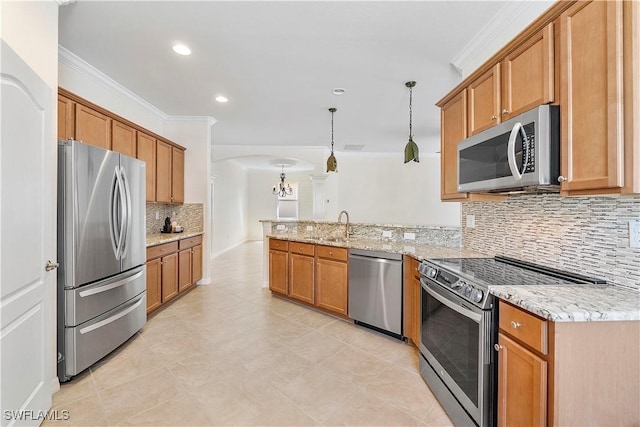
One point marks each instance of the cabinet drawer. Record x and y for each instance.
(302, 248)
(278, 245)
(190, 242)
(161, 250)
(331, 252)
(527, 328)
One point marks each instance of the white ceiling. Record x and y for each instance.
(278, 62)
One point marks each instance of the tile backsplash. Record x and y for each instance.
(188, 215)
(586, 235)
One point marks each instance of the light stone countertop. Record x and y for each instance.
(578, 303)
(160, 238)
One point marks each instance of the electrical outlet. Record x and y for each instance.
(634, 234)
(409, 236)
(471, 221)
(410, 249)
(157, 215)
(386, 247)
(386, 233)
(281, 227)
(309, 227)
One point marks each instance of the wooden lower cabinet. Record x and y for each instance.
(411, 299)
(332, 287)
(278, 271)
(172, 269)
(301, 277)
(154, 284)
(522, 385)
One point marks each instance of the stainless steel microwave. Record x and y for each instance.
(521, 154)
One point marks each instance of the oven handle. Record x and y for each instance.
(477, 317)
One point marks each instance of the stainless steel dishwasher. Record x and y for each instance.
(375, 290)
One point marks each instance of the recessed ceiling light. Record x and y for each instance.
(181, 49)
(339, 91)
(221, 98)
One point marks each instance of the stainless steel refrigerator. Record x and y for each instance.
(101, 250)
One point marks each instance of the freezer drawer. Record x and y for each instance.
(89, 301)
(89, 342)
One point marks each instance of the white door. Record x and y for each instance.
(26, 242)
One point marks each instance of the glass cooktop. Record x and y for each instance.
(503, 271)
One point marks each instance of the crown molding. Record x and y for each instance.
(89, 71)
(496, 28)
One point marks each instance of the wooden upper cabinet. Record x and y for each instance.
(591, 96)
(146, 151)
(92, 127)
(484, 101)
(453, 129)
(177, 175)
(528, 74)
(66, 117)
(163, 172)
(123, 138)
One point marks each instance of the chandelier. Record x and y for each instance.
(282, 189)
(411, 149)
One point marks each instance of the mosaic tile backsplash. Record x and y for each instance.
(188, 215)
(585, 235)
(424, 234)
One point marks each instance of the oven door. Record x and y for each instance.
(456, 339)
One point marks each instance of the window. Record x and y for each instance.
(287, 206)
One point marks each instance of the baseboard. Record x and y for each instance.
(204, 281)
(217, 254)
(55, 385)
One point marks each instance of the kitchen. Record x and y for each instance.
(613, 211)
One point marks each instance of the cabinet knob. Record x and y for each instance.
(561, 179)
(515, 324)
(494, 117)
(330, 253)
(505, 111)
(498, 347)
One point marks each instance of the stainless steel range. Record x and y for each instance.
(459, 328)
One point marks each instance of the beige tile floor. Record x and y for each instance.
(229, 353)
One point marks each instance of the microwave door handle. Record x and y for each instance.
(511, 149)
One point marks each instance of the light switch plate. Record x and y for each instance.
(634, 234)
(386, 233)
(157, 215)
(471, 221)
(409, 236)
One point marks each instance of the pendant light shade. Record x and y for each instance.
(411, 149)
(332, 162)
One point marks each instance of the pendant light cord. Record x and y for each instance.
(332, 131)
(410, 112)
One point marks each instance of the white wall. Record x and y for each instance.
(84, 80)
(230, 206)
(380, 188)
(194, 134)
(31, 29)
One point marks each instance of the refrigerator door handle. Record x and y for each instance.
(113, 215)
(122, 214)
(126, 196)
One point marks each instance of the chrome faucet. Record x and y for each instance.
(346, 226)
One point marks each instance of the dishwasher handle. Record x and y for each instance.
(380, 260)
(373, 255)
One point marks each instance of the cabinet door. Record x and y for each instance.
(92, 127)
(484, 101)
(278, 271)
(154, 285)
(301, 277)
(332, 286)
(177, 175)
(169, 277)
(184, 269)
(411, 299)
(146, 151)
(527, 74)
(66, 118)
(123, 139)
(522, 385)
(196, 263)
(453, 129)
(163, 172)
(591, 96)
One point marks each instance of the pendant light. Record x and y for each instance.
(332, 162)
(282, 190)
(411, 149)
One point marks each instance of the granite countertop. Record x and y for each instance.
(578, 303)
(160, 238)
(418, 251)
